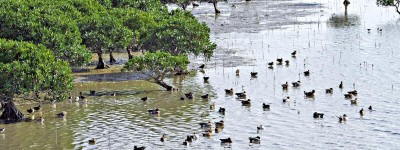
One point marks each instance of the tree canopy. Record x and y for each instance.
(394, 3)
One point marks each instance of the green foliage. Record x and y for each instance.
(179, 33)
(394, 3)
(157, 64)
(28, 68)
(44, 23)
(144, 5)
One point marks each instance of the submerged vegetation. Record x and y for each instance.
(41, 40)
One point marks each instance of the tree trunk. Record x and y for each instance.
(112, 59)
(129, 52)
(11, 113)
(101, 64)
(215, 7)
(164, 85)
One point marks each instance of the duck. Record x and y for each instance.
(370, 108)
(38, 108)
(81, 96)
(77, 98)
(202, 66)
(92, 141)
(62, 114)
(30, 110)
(206, 79)
(266, 106)
(341, 85)
(228, 140)
(241, 95)
(221, 110)
(92, 93)
(287, 62)
(195, 4)
(189, 95)
(2, 129)
(296, 84)
(219, 124)
(186, 142)
(193, 137)
(212, 106)
(271, 63)
(40, 120)
(144, 98)
(253, 74)
(229, 91)
(204, 96)
(340, 119)
(182, 98)
(329, 91)
(294, 53)
(237, 72)
(362, 112)
(309, 94)
(345, 118)
(154, 111)
(205, 125)
(246, 102)
(163, 138)
(317, 115)
(139, 148)
(279, 60)
(218, 129)
(286, 99)
(113, 94)
(260, 127)
(354, 92)
(285, 86)
(255, 139)
(307, 73)
(207, 133)
(348, 96)
(353, 102)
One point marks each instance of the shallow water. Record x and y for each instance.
(367, 62)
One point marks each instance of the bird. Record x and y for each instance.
(204, 96)
(309, 94)
(212, 106)
(81, 96)
(266, 106)
(362, 112)
(92, 92)
(294, 53)
(62, 114)
(182, 98)
(113, 94)
(41, 120)
(186, 142)
(341, 85)
(370, 108)
(286, 99)
(229, 91)
(205, 125)
(354, 92)
(2, 129)
(317, 115)
(329, 91)
(271, 63)
(368, 30)
(287, 62)
(207, 133)
(228, 140)
(30, 110)
(163, 138)
(154, 111)
(195, 4)
(144, 98)
(202, 66)
(38, 108)
(353, 102)
(206, 79)
(348, 96)
(237, 72)
(92, 141)
(219, 124)
(296, 84)
(255, 139)
(241, 95)
(253, 74)
(189, 95)
(246, 102)
(285, 86)
(307, 73)
(139, 148)
(279, 60)
(221, 110)
(193, 137)
(260, 127)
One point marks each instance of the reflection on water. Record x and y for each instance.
(367, 62)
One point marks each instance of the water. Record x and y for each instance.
(333, 52)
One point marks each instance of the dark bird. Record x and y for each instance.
(253, 74)
(2, 129)
(362, 112)
(219, 124)
(307, 73)
(204, 96)
(92, 141)
(202, 66)
(368, 30)
(218, 129)
(186, 142)
(205, 125)
(348, 96)
(195, 4)
(229, 91)
(206, 79)
(271, 63)
(182, 98)
(207, 133)
(246, 102)
(317, 115)
(237, 72)
(113, 94)
(294, 53)
(279, 60)
(287, 62)
(154, 111)
(285, 86)
(266, 106)
(62, 114)
(163, 138)
(354, 102)
(329, 91)
(353, 92)
(255, 139)
(228, 140)
(38, 108)
(341, 85)
(286, 99)
(221, 110)
(241, 95)
(309, 94)
(296, 84)
(189, 95)
(30, 110)
(81, 95)
(370, 108)
(261, 127)
(144, 98)
(139, 148)
(92, 92)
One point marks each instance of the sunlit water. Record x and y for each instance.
(367, 62)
